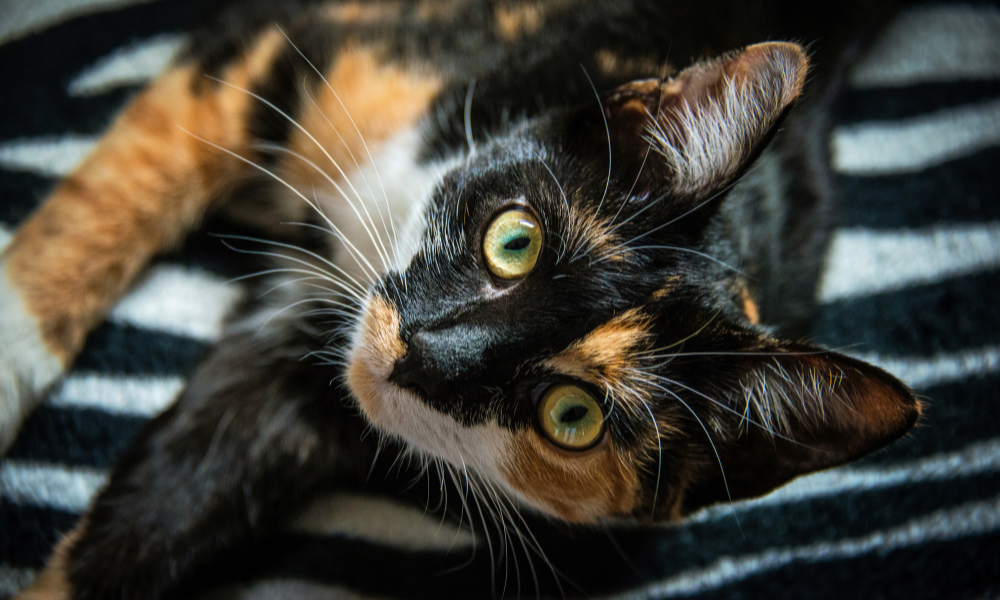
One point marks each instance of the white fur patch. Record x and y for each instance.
(26, 366)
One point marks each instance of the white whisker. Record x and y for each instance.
(358, 256)
(356, 129)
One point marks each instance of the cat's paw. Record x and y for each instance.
(27, 367)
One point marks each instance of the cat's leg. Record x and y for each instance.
(257, 427)
(148, 181)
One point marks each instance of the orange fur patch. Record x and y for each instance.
(519, 19)
(146, 184)
(594, 238)
(605, 355)
(612, 63)
(581, 487)
(380, 348)
(364, 12)
(749, 306)
(379, 98)
(515, 21)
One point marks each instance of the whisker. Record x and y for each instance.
(621, 250)
(607, 130)
(360, 171)
(331, 278)
(383, 253)
(468, 116)
(351, 119)
(372, 235)
(358, 285)
(718, 458)
(358, 256)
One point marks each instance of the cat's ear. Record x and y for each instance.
(800, 410)
(703, 126)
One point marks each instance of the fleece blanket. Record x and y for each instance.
(911, 284)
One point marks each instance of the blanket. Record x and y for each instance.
(911, 284)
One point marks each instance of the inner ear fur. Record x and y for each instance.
(704, 125)
(805, 410)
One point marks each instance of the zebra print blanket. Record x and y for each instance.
(911, 285)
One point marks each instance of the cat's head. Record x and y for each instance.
(556, 329)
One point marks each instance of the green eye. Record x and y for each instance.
(570, 417)
(512, 243)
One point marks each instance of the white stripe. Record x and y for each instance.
(140, 396)
(379, 520)
(28, 16)
(136, 63)
(920, 372)
(910, 145)
(863, 262)
(62, 487)
(13, 579)
(934, 44)
(51, 157)
(270, 589)
(947, 524)
(179, 301)
(976, 459)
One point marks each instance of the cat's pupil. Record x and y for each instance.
(572, 415)
(517, 244)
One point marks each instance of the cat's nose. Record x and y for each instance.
(415, 370)
(438, 362)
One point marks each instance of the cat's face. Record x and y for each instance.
(555, 329)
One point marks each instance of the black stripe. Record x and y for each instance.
(955, 415)
(589, 560)
(28, 533)
(959, 191)
(885, 104)
(75, 436)
(948, 316)
(127, 350)
(38, 68)
(21, 193)
(964, 568)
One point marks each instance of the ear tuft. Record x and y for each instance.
(713, 118)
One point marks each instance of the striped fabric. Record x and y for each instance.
(911, 284)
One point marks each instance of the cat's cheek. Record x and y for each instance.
(577, 487)
(376, 348)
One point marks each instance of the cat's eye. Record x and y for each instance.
(570, 417)
(512, 243)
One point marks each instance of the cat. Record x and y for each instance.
(561, 253)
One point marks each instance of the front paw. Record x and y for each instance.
(27, 366)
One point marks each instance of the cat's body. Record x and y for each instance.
(661, 248)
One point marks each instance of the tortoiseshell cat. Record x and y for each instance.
(550, 260)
